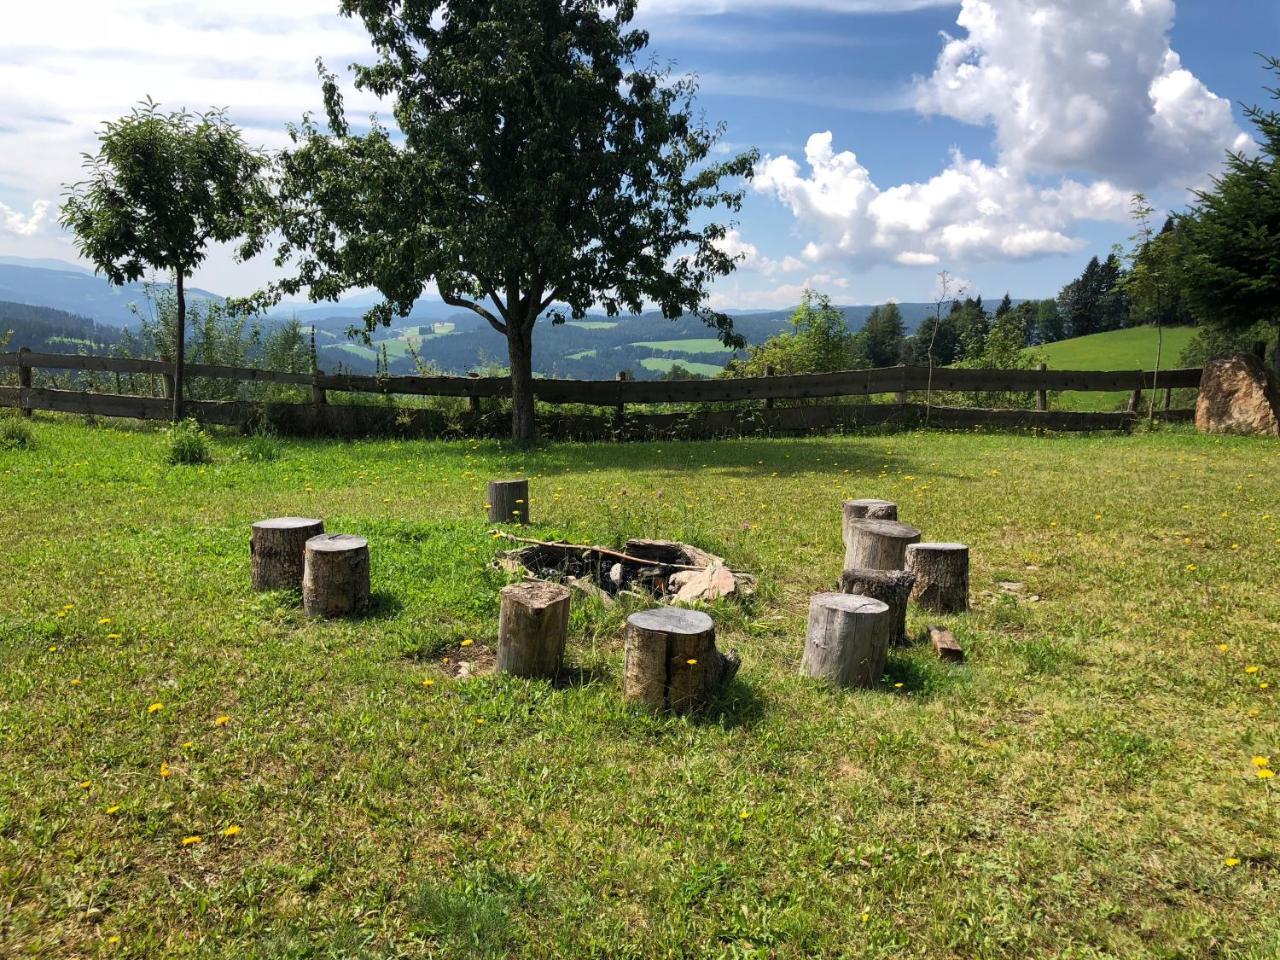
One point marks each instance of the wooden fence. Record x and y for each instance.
(319, 416)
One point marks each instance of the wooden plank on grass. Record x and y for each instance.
(946, 645)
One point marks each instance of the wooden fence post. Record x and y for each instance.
(473, 400)
(24, 381)
(1042, 395)
(1168, 398)
(901, 395)
(621, 410)
(319, 396)
(168, 378)
(1135, 401)
(768, 372)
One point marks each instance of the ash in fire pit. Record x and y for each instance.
(662, 569)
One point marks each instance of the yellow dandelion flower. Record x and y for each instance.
(1253, 712)
(428, 682)
(113, 809)
(1266, 773)
(1262, 761)
(897, 686)
(480, 721)
(53, 649)
(745, 815)
(222, 721)
(468, 642)
(191, 841)
(86, 784)
(231, 831)
(113, 939)
(1263, 685)
(1232, 861)
(188, 744)
(1192, 568)
(165, 772)
(113, 636)
(155, 708)
(692, 663)
(866, 917)
(1223, 648)
(1251, 669)
(75, 681)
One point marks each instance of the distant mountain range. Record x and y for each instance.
(435, 334)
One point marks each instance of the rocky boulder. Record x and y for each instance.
(1238, 395)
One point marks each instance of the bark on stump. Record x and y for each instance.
(508, 501)
(890, 587)
(335, 582)
(671, 660)
(942, 576)
(878, 544)
(278, 549)
(866, 510)
(848, 639)
(532, 629)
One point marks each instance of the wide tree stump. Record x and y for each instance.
(866, 510)
(942, 576)
(508, 501)
(848, 639)
(335, 582)
(890, 587)
(532, 629)
(671, 660)
(878, 544)
(278, 549)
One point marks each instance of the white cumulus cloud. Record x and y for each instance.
(24, 225)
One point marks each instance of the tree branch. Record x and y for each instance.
(494, 322)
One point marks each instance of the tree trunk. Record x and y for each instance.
(942, 576)
(890, 587)
(278, 548)
(866, 510)
(335, 581)
(878, 544)
(180, 348)
(848, 639)
(509, 501)
(524, 427)
(533, 626)
(671, 660)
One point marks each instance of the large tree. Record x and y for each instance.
(1230, 238)
(161, 188)
(538, 167)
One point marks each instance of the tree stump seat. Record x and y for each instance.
(278, 550)
(335, 582)
(671, 660)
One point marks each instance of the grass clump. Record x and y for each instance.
(262, 447)
(188, 445)
(16, 434)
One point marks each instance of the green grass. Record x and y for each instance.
(1132, 349)
(703, 345)
(1073, 791)
(663, 365)
(594, 324)
(581, 355)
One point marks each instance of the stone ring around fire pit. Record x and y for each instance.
(653, 569)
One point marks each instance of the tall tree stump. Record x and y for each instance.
(335, 581)
(532, 629)
(942, 576)
(848, 639)
(278, 549)
(878, 544)
(671, 660)
(508, 501)
(890, 587)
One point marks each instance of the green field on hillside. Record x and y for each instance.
(193, 770)
(593, 324)
(700, 345)
(664, 365)
(1131, 349)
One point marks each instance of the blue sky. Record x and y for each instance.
(1005, 156)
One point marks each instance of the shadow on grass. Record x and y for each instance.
(735, 705)
(922, 679)
(383, 605)
(573, 676)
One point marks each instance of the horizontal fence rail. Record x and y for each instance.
(900, 381)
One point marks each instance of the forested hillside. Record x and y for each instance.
(43, 328)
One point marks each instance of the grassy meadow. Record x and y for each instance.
(192, 770)
(1134, 348)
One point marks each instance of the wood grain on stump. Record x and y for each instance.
(671, 660)
(335, 581)
(866, 510)
(532, 629)
(847, 640)
(890, 587)
(278, 549)
(942, 576)
(878, 544)
(508, 501)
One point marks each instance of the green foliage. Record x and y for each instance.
(538, 163)
(1230, 238)
(883, 336)
(16, 434)
(262, 447)
(820, 342)
(1096, 301)
(187, 444)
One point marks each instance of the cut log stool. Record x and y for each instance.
(335, 582)
(508, 501)
(878, 544)
(532, 629)
(866, 510)
(671, 660)
(890, 587)
(942, 576)
(278, 548)
(848, 639)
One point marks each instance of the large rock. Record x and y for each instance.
(1238, 395)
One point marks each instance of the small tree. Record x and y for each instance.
(819, 342)
(160, 189)
(541, 167)
(1230, 238)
